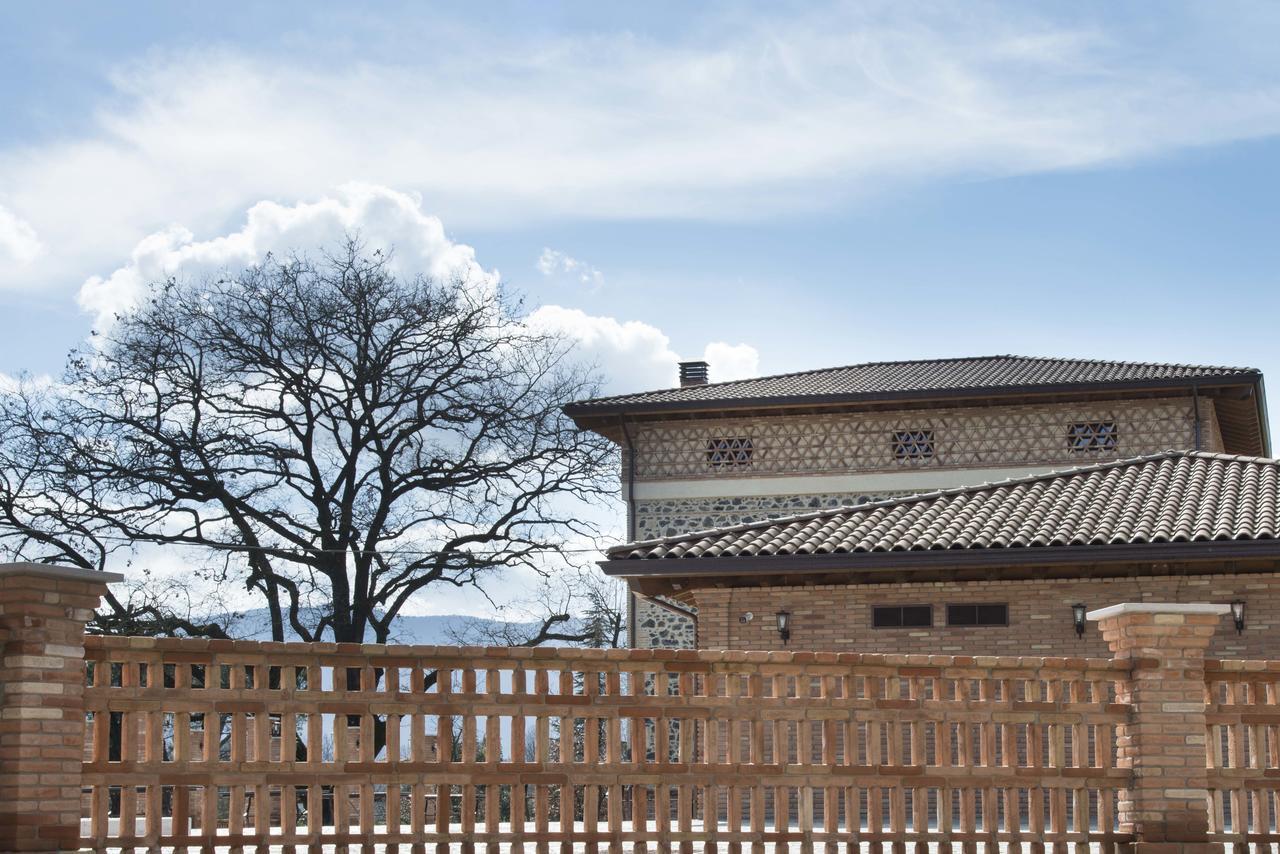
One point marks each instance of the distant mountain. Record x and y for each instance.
(426, 630)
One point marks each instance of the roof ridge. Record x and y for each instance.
(934, 360)
(807, 371)
(1018, 480)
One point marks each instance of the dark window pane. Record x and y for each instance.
(985, 614)
(993, 615)
(886, 618)
(917, 615)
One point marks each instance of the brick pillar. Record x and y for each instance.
(43, 611)
(1166, 805)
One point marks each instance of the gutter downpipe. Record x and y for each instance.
(1195, 402)
(631, 524)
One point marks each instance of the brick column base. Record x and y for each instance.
(43, 611)
(1166, 805)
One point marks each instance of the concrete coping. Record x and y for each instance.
(1157, 608)
(60, 573)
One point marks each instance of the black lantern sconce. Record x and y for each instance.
(1237, 615)
(1077, 617)
(784, 626)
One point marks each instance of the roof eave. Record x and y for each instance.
(805, 564)
(584, 409)
(1260, 392)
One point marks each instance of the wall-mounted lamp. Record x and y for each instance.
(1237, 614)
(784, 625)
(1077, 617)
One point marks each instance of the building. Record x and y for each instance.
(996, 569)
(734, 455)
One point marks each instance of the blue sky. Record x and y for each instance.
(797, 185)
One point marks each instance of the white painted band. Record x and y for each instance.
(1157, 608)
(921, 480)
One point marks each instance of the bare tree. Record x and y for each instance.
(335, 438)
(48, 515)
(586, 608)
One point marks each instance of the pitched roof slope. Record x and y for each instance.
(1175, 496)
(890, 378)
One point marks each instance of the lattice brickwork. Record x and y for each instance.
(997, 436)
(544, 747)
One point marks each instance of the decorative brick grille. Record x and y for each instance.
(547, 747)
(724, 452)
(912, 444)
(1092, 436)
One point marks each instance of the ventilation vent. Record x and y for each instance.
(1092, 436)
(982, 614)
(729, 452)
(912, 444)
(694, 373)
(901, 616)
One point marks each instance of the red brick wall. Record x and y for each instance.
(838, 617)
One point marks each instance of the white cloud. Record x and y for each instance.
(382, 218)
(634, 356)
(731, 361)
(743, 116)
(631, 355)
(552, 262)
(18, 240)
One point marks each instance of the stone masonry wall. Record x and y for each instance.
(838, 617)
(659, 627)
(667, 517)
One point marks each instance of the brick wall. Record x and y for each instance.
(43, 611)
(858, 442)
(838, 617)
(963, 437)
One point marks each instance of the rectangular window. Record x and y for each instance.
(901, 616)
(1092, 436)
(729, 452)
(912, 444)
(985, 614)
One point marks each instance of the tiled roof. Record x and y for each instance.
(903, 378)
(1175, 496)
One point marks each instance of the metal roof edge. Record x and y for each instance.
(585, 409)
(963, 558)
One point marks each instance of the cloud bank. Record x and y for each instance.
(742, 116)
(380, 217)
(629, 355)
(633, 355)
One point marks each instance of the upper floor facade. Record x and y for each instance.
(709, 455)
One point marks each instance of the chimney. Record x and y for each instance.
(693, 373)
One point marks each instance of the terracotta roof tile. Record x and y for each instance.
(904, 378)
(1174, 496)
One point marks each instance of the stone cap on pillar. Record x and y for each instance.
(1157, 608)
(61, 573)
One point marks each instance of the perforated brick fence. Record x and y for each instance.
(220, 745)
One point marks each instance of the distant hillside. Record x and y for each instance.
(427, 630)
